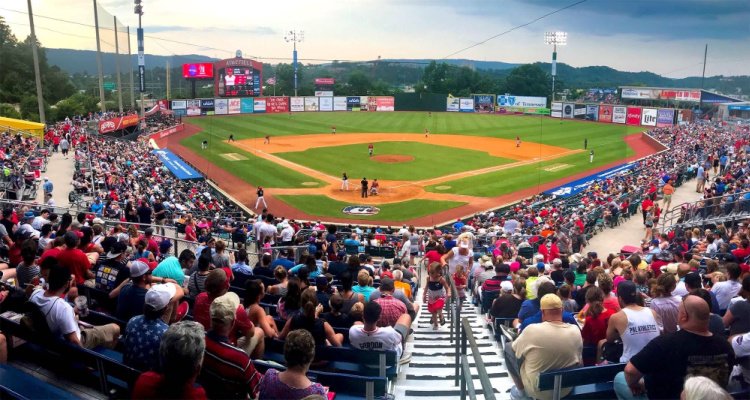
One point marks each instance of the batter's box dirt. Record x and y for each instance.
(556, 167)
(234, 156)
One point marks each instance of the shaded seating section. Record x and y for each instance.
(587, 382)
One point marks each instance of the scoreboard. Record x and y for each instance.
(238, 77)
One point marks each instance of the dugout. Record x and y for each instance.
(420, 101)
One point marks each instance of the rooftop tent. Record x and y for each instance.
(35, 128)
(710, 97)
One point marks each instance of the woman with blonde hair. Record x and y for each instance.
(664, 304)
(364, 284)
(461, 254)
(190, 234)
(282, 276)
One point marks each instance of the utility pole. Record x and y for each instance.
(141, 57)
(117, 67)
(103, 105)
(295, 37)
(169, 84)
(705, 54)
(130, 68)
(37, 74)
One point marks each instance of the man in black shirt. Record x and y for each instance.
(144, 212)
(364, 187)
(160, 214)
(667, 360)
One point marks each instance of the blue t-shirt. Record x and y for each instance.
(284, 262)
(537, 319)
(528, 309)
(130, 302)
(142, 340)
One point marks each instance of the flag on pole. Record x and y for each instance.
(271, 81)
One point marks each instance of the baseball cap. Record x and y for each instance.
(550, 301)
(158, 296)
(464, 245)
(138, 268)
(224, 308)
(506, 286)
(29, 214)
(98, 221)
(117, 249)
(627, 291)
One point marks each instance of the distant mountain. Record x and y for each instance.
(460, 62)
(84, 61)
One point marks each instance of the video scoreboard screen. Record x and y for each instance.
(238, 77)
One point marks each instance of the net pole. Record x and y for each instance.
(117, 67)
(130, 67)
(103, 105)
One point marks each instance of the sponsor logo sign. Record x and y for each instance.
(114, 124)
(207, 103)
(234, 106)
(648, 117)
(665, 117)
(484, 103)
(360, 210)
(633, 116)
(176, 166)
(352, 103)
(167, 132)
(193, 108)
(605, 113)
(179, 104)
(259, 105)
(297, 104)
(521, 101)
(635, 93)
(246, 105)
(452, 104)
(278, 104)
(221, 106)
(311, 104)
(619, 114)
(339, 104)
(198, 70)
(466, 105)
(579, 185)
(324, 93)
(568, 110)
(384, 103)
(325, 81)
(326, 103)
(592, 112)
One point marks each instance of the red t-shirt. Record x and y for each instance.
(433, 256)
(741, 253)
(202, 315)
(150, 386)
(76, 262)
(595, 329)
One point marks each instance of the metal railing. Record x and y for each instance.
(707, 211)
(467, 380)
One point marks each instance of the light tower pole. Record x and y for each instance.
(295, 37)
(555, 39)
(141, 57)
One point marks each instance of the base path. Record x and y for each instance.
(391, 191)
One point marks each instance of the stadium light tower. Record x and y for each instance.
(295, 37)
(138, 10)
(555, 39)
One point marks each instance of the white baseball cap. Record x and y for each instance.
(158, 296)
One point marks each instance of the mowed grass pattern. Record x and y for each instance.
(323, 206)
(430, 161)
(605, 139)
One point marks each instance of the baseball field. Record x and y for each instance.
(430, 167)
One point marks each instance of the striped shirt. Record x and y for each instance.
(227, 371)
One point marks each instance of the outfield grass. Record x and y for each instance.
(254, 170)
(605, 139)
(429, 161)
(323, 206)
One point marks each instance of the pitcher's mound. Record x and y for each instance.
(392, 158)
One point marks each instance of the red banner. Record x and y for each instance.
(166, 132)
(324, 81)
(198, 70)
(605, 113)
(115, 124)
(633, 116)
(384, 103)
(277, 104)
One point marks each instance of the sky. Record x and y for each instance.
(663, 36)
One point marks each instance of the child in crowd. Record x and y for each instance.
(569, 304)
(436, 294)
(459, 279)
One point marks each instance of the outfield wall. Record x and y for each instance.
(280, 104)
(649, 117)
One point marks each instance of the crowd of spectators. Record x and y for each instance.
(161, 120)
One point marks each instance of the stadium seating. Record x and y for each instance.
(587, 382)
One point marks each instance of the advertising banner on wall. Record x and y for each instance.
(193, 108)
(484, 103)
(579, 111)
(339, 104)
(605, 114)
(521, 101)
(452, 104)
(592, 112)
(207, 106)
(619, 114)
(681, 95)
(277, 104)
(665, 117)
(117, 123)
(568, 110)
(648, 117)
(246, 105)
(352, 103)
(182, 113)
(466, 104)
(311, 103)
(684, 116)
(633, 116)
(326, 103)
(384, 103)
(259, 105)
(638, 93)
(221, 106)
(176, 166)
(556, 110)
(179, 104)
(364, 103)
(323, 93)
(234, 106)
(297, 104)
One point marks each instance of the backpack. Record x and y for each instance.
(35, 321)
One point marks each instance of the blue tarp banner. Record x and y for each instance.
(579, 185)
(175, 165)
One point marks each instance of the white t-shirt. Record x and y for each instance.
(385, 338)
(267, 230)
(741, 347)
(724, 292)
(229, 80)
(59, 314)
(287, 234)
(458, 259)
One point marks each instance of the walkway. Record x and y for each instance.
(632, 231)
(60, 172)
